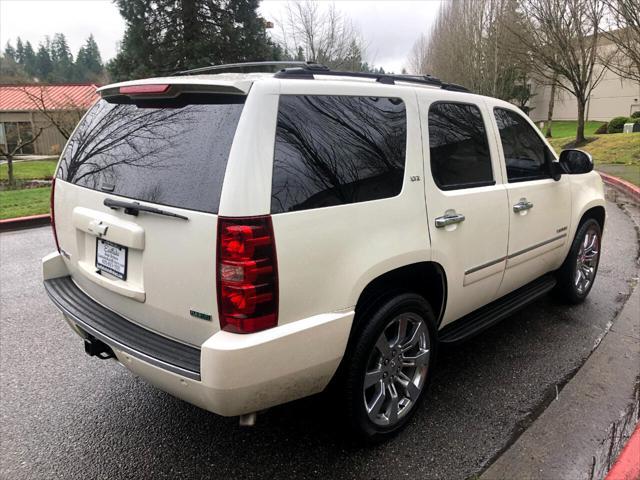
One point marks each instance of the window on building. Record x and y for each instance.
(12, 134)
(525, 154)
(458, 146)
(334, 150)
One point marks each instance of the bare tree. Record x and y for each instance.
(468, 44)
(62, 113)
(309, 31)
(623, 30)
(562, 38)
(9, 153)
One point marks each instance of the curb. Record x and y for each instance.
(580, 434)
(627, 187)
(24, 222)
(627, 466)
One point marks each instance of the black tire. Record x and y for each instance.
(567, 289)
(414, 311)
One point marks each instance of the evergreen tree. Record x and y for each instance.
(63, 68)
(44, 65)
(166, 35)
(9, 52)
(19, 51)
(29, 60)
(89, 62)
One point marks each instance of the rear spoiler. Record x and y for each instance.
(130, 93)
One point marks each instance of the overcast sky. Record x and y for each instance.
(389, 27)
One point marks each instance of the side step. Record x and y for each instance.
(483, 318)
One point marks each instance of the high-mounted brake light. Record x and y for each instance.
(144, 89)
(247, 274)
(53, 212)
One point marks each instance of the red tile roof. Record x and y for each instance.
(55, 97)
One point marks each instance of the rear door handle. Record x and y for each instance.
(522, 205)
(450, 217)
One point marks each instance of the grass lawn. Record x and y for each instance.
(30, 170)
(616, 153)
(20, 203)
(567, 128)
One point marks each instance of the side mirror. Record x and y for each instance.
(575, 161)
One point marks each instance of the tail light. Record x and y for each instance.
(247, 274)
(53, 212)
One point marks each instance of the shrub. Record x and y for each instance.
(616, 124)
(602, 128)
(635, 114)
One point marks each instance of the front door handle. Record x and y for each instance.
(449, 218)
(522, 205)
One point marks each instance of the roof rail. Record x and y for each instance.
(304, 72)
(254, 65)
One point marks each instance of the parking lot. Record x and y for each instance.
(65, 415)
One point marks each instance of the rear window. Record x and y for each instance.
(335, 150)
(171, 154)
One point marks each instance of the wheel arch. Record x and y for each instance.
(427, 279)
(596, 212)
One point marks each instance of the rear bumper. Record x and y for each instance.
(230, 374)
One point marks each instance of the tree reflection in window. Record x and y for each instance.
(458, 146)
(172, 155)
(333, 150)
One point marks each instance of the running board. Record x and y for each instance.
(483, 318)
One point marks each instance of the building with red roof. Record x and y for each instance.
(50, 110)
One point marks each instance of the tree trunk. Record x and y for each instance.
(12, 180)
(580, 132)
(552, 102)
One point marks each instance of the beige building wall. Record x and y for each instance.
(612, 97)
(50, 141)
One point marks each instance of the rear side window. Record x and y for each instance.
(171, 153)
(458, 146)
(525, 154)
(334, 150)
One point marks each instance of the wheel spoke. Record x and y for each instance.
(591, 254)
(371, 378)
(411, 390)
(402, 331)
(419, 360)
(383, 345)
(375, 407)
(415, 337)
(394, 405)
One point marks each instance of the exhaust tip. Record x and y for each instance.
(248, 419)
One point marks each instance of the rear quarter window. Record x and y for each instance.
(171, 153)
(336, 150)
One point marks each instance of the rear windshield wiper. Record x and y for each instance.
(133, 208)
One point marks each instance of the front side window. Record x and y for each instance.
(335, 150)
(458, 146)
(525, 154)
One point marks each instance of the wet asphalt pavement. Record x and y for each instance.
(65, 415)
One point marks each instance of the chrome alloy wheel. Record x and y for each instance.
(587, 261)
(397, 369)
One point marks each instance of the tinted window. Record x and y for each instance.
(332, 150)
(173, 154)
(458, 146)
(525, 153)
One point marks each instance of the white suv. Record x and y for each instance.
(243, 240)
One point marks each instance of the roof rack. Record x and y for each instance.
(252, 65)
(309, 72)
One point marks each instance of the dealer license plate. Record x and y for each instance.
(111, 258)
